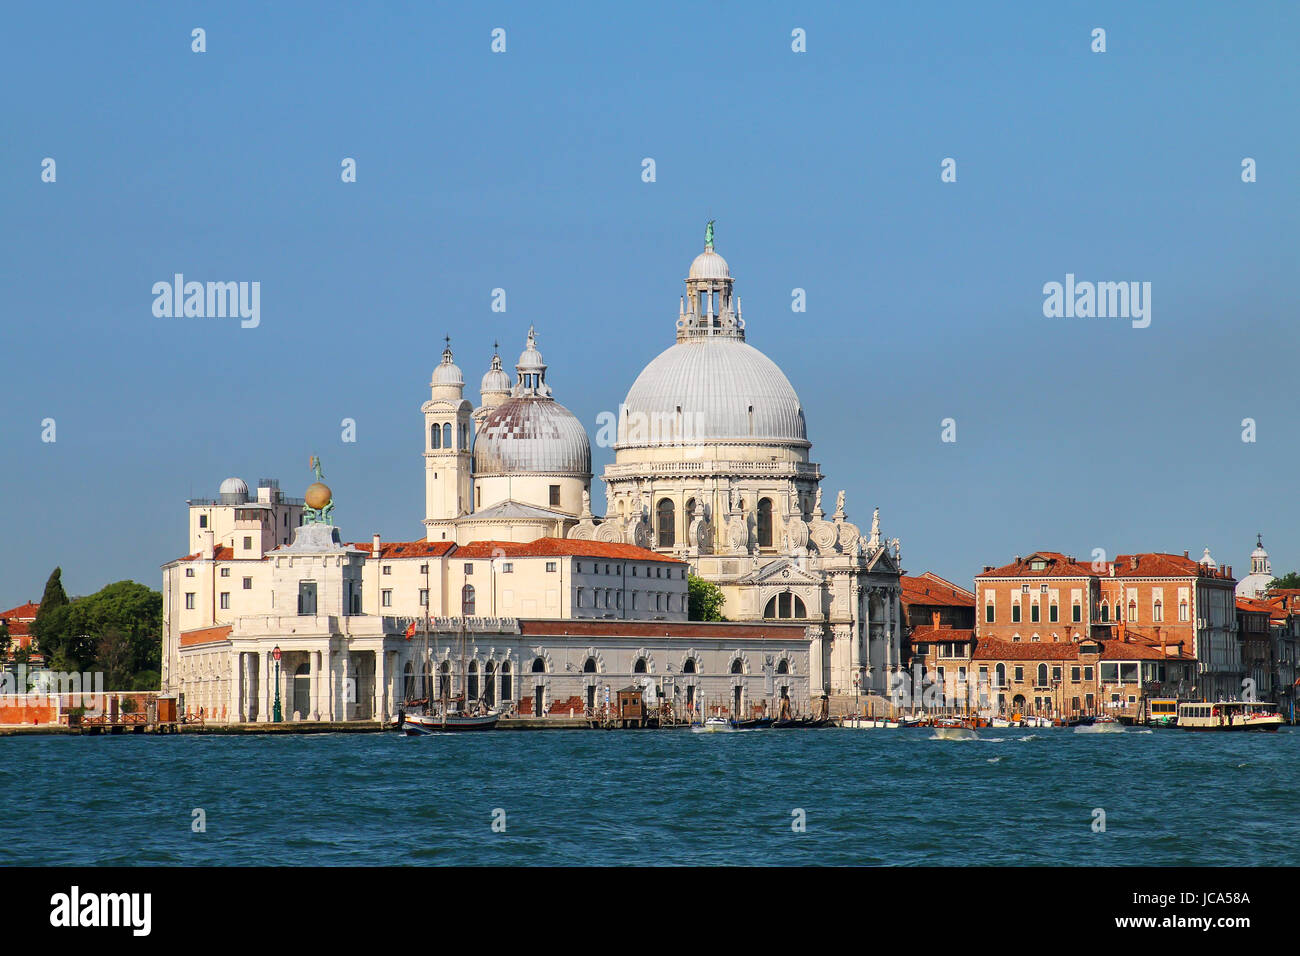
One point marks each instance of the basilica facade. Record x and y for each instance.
(712, 475)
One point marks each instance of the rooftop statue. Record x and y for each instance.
(708, 234)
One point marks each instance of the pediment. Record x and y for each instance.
(781, 571)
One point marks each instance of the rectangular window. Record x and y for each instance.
(507, 567)
(386, 569)
(248, 584)
(1074, 677)
(1056, 673)
(225, 572)
(1015, 614)
(555, 496)
(988, 614)
(1077, 614)
(424, 569)
(1020, 675)
(469, 568)
(1109, 672)
(550, 566)
(1087, 673)
(1034, 613)
(203, 521)
(307, 597)
(225, 600)
(1128, 673)
(189, 572)
(386, 596)
(424, 597)
(189, 600)
(1053, 613)
(248, 543)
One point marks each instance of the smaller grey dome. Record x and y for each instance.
(709, 265)
(233, 491)
(496, 381)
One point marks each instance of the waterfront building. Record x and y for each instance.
(722, 486)
(18, 621)
(928, 594)
(1284, 635)
(1254, 633)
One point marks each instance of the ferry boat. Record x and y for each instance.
(1229, 715)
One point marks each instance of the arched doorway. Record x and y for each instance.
(539, 688)
(489, 684)
(471, 683)
(507, 692)
(765, 523)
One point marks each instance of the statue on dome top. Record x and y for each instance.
(708, 234)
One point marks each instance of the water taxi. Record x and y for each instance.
(1229, 715)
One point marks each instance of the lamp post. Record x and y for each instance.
(277, 714)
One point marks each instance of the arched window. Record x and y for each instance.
(1042, 675)
(737, 666)
(689, 666)
(408, 681)
(639, 666)
(1158, 611)
(472, 682)
(1000, 675)
(665, 525)
(435, 436)
(783, 667)
(446, 435)
(1105, 611)
(1132, 611)
(690, 511)
(590, 666)
(444, 680)
(765, 523)
(785, 605)
(467, 600)
(505, 681)
(489, 684)
(539, 666)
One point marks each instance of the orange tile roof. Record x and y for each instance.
(23, 612)
(1140, 651)
(932, 635)
(1160, 565)
(673, 629)
(404, 549)
(205, 635)
(559, 547)
(993, 649)
(934, 590)
(1255, 605)
(220, 553)
(1058, 566)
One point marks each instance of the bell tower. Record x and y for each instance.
(448, 437)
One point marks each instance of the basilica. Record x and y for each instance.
(712, 476)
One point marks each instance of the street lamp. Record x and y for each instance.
(277, 714)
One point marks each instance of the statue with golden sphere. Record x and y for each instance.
(319, 507)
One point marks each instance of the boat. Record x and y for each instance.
(751, 723)
(859, 722)
(1032, 721)
(419, 725)
(1000, 722)
(714, 725)
(1256, 716)
(1162, 712)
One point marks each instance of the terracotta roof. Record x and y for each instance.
(23, 612)
(931, 635)
(1058, 566)
(992, 649)
(723, 631)
(205, 635)
(930, 589)
(559, 547)
(404, 549)
(1160, 565)
(1256, 606)
(1140, 651)
(219, 553)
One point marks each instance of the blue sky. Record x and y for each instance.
(522, 171)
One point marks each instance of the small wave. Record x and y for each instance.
(1028, 737)
(993, 760)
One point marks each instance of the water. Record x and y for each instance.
(654, 797)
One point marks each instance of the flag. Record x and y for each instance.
(410, 630)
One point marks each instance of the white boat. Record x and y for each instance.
(858, 722)
(715, 725)
(1032, 721)
(1230, 715)
(955, 733)
(1000, 722)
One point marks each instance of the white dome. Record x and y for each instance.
(447, 372)
(233, 491)
(709, 265)
(496, 380)
(724, 388)
(531, 435)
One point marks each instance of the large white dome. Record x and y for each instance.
(714, 389)
(531, 435)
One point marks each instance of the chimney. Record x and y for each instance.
(1161, 638)
(374, 546)
(1132, 562)
(1186, 555)
(987, 568)
(207, 544)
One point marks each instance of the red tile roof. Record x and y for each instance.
(992, 649)
(559, 547)
(1255, 605)
(23, 612)
(1058, 566)
(404, 549)
(930, 589)
(1160, 565)
(205, 635)
(1141, 651)
(942, 635)
(724, 631)
(219, 553)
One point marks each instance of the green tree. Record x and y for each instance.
(706, 600)
(1289, 580)
(5, 640)
(118, 629)
(49, 637)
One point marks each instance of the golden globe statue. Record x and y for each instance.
(318, 495)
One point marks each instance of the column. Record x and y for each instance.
(347, 703)
(379, 704)
(234, 707)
